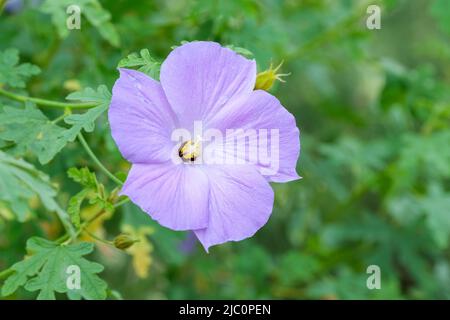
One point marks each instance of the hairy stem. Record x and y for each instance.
(47, 103)
(97, 162)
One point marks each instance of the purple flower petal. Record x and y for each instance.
(240, 203)
(174, 195)
(263, 111)
(141, 118)
(200, 77)
(206, 82)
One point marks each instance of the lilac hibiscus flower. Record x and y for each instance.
(201, 82)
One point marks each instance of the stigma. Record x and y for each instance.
(189, 150)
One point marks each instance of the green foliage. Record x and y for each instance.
(84, 177)
(92, 188)
(45, 270)
(12, 73)
(90, 9)
(373, 108)
(74, 207)
(29, 129)
(144, 63)
(86, 120)
(441, 10)
(19, 182)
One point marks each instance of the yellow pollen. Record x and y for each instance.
(189, 150)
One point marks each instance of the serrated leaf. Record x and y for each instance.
(89, 182)
(84, 177)
(74, 206)
(31, 130)
(86, 120)
(143, 61)
(19, 182)
(45, 270)
(92, 10)
(12, 73)
(92, 189)
(101, 95)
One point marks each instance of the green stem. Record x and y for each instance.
(93, 236)
(47, 103)
(95, 159)
(6, 273)
(92, 219)
(67, 224)
(59, 119)
(118, 204)
(63, 238)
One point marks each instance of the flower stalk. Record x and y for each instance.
(47, 103)
(97, 161)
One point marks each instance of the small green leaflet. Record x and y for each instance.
(19, 182)
(91, 188)
(73, 209)
(31, 130)
(12, 73)
(89, 181)
(47, 270)
(143, 61)
(181, 43)
(90, 9)
(86, 120)
(84, 177)
(242, 51)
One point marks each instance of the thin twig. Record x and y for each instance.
(97, 161)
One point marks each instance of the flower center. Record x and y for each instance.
(189, 150)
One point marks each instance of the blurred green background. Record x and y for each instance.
(373, 107)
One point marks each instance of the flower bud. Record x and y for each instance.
(72, 85)
(123, 241)
(266, 79)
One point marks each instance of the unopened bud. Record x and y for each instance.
(72, 85)
(266, 79)
(123, 241)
